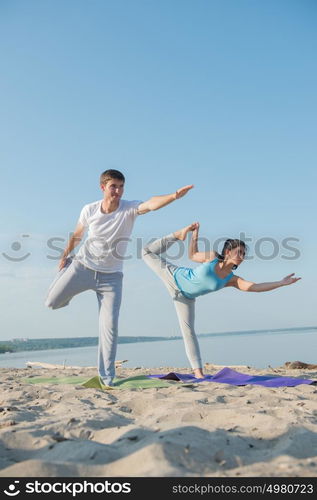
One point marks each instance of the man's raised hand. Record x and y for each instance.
(182, 191)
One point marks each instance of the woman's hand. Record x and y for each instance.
(195, 228)
(289, 279)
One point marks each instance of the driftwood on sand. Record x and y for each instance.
(299, 365)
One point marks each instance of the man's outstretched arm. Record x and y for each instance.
(157, 202)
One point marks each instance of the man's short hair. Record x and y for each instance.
(107, 175)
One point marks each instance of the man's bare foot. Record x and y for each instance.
(198, 373)
(181, 233)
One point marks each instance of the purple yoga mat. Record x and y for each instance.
(229, 376)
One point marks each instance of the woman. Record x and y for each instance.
(214, 272)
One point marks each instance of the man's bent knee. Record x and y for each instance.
(54, 304)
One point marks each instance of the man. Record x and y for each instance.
(98, 263)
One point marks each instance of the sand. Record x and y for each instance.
(200, 430)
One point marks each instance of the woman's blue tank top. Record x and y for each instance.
(200, 280)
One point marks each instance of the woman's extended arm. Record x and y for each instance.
(193, 253)
(249, 286)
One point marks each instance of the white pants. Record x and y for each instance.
(75, 278)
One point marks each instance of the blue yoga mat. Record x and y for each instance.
(229, 376)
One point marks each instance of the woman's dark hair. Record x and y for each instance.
(230, 244)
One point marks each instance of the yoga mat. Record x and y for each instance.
(232, 377)
(224, 376)
(138, 382)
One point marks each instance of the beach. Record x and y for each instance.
(205, 429)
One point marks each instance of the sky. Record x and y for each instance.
(219, 94)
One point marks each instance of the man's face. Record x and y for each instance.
(113, 189)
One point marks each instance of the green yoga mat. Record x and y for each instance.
(138, 382)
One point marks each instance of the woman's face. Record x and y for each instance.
(236, 255)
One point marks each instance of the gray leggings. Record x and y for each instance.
(75, 278)
(185, 307)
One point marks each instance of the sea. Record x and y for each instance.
(259, 349)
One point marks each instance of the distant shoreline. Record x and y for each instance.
(23, 345)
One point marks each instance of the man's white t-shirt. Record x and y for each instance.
(108, 235)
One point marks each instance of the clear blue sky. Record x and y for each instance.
(221, 94)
